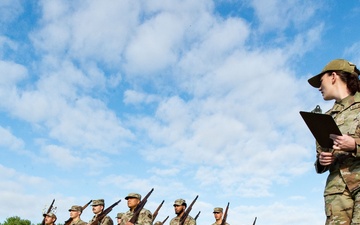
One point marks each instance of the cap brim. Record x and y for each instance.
(315, 80)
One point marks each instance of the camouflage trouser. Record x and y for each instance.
(342, 209)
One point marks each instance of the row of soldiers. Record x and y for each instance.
(137, 214)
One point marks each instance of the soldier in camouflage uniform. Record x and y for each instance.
(75, 212)
(119, 217)
(218, 214)
(49, 218)
(180, 206)
(97, 208)
(145, 216)
(339, 81)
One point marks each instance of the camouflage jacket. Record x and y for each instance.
(345, 170)
(79, 222)
(188, 221)
(145, 217)
(218, 224)
(105, 221)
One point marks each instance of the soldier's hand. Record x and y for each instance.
(129, 223)
(326, 158)
(343, 142)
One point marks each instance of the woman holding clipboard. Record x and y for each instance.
(339, 81)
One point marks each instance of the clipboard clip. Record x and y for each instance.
(317, 110)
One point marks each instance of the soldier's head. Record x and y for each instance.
(158, 223)
(218, 213)
(119, 217)
(50, 218)
(179, 206)
(133, 199)
(75, 211)
(98, 206)
(336, 73)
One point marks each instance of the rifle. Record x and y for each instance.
(197, 215)
(165, 219)
(99, 217)
(157, 210)
(225, 214)
(254, 220)
(48, 211)
(68, 222)
(139, 207)
(186, 213)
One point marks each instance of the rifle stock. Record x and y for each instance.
(139, 207)
(103, 214)
(187, 211)
(68, 222)
(157, 210)
(49, 210)
(223, 222)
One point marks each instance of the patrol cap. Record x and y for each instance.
(51, 215)
(133, 195)
(158, 223)
(98, 202)
(75, 208)
(336, 64)
(218, 210)
(180, 201)
(119, 215)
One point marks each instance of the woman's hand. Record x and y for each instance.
(326, 158)
(343, 142)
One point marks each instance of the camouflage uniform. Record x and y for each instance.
(342, 199)
(105, 221)
(218, 224)
(188, 221)
(145, 217)
(79, 222)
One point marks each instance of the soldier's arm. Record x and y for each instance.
(145, 217)
(190, 221)
(107, 221)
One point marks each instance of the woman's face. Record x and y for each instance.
(326, 86)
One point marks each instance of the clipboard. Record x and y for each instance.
(321, 126)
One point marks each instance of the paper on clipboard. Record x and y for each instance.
(321, 126)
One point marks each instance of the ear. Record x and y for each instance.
(334, 77)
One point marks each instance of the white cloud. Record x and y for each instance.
(12, 73)
(277, 15)
(96, 30)
(10, 10)
(8, 140)
(136, 97)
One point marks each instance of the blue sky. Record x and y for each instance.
(102, 98)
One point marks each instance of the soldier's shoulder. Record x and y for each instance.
(81, 222)
(146, 211)
(108, 217)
